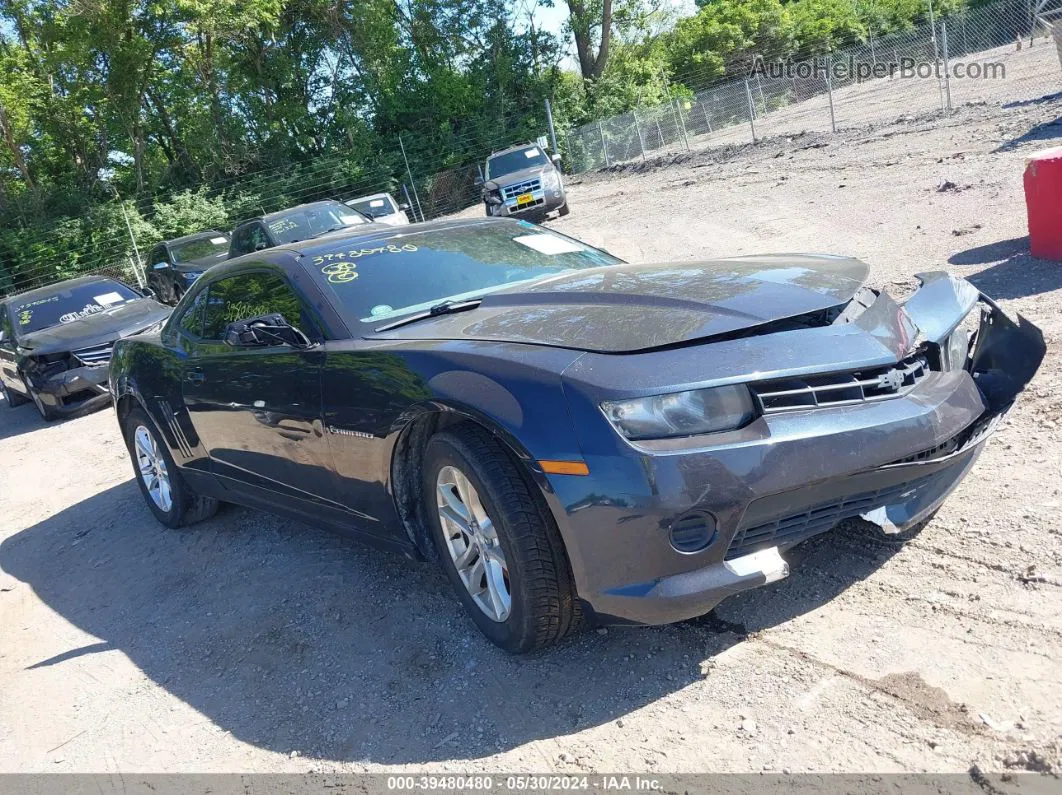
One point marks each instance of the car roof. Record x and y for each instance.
(281, 213)
(370, 196)
(44, 292)
(515, 148)
(196, 236)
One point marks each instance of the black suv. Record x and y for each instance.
(523, 182)
(173, 265)
(304, 222)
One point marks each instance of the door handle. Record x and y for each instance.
(195, 376)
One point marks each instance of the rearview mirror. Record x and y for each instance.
(264, 330)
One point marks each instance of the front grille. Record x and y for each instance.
(822, 517)
(519, 188)
(99, 354)
(841, 389)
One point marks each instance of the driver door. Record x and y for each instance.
(257, 409)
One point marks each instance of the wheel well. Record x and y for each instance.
(126, 403)
(406, 472)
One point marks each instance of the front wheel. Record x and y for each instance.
(165, 492)
(563, 210)
(10, 398)
(47, 412)
(499, 546)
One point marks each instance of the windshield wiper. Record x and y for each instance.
(441, 308)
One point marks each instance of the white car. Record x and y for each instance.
(382, 208)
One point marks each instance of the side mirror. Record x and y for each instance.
(148, 292)
(556, 159)
(264, 330)
(3, 336)
(478, 181)
(404, 207)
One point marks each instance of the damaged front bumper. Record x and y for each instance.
(75, 390)
(791, 475)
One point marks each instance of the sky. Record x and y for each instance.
(553, 18)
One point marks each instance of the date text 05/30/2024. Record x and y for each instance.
(529, 783)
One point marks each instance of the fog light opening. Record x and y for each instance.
(692, 532)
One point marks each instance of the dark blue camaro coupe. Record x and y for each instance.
(570, 435)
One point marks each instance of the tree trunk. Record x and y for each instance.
(16, 150)
(591, 64)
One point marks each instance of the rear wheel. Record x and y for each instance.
(499, 546)
(165, 491)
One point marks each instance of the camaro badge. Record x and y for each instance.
(345, 432)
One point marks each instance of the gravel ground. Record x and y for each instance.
(251, 643)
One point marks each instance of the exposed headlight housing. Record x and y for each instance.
(955, 349)
(722, 408)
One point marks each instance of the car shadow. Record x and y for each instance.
(295, 639)
(1014, 272)
(17, 420)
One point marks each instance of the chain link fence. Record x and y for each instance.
(998, 53)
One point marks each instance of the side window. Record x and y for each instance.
(241, 240)
(258, 238)
(5, 324)
(157, 257)
(250, 295)
(191, 322)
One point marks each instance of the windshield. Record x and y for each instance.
(515, 161)
(374, 206)
(410, 272)
(308, 222)
(69, 304)
(200, 249)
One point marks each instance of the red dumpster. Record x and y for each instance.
(1043, 198)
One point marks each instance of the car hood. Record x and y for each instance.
(96, 329)
(518, 176)
(624, 308)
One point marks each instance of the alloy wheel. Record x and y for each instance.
(152, 468)
(472, 541)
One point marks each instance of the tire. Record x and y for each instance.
(184, 506)
(164, 290)
(543, 603)
(48, 414)
(564, 210)
(12, 399)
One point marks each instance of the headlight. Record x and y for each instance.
(698, 411)
(551, 180)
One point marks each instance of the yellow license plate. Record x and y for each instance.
(524, 198)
